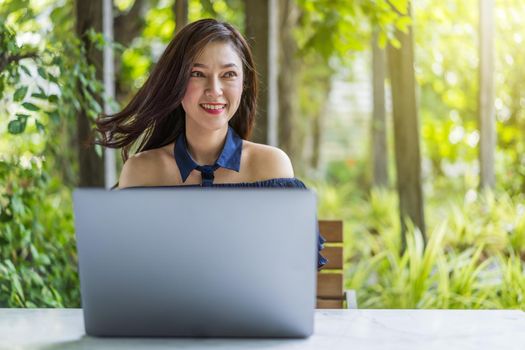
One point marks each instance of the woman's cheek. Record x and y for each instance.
(238, 90)
(191, 91)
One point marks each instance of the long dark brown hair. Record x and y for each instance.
(154, 117)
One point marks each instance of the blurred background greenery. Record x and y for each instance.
(471, 252)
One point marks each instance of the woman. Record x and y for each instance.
(198, 107)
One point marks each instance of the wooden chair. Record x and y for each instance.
(330, 287)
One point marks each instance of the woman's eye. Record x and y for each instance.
(196, 74)
(230, 74)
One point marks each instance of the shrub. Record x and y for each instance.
(38, 262)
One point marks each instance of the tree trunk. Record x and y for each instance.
(379, 144)
(130, 24)
(180, 9)
(406, 133)
(317, 127)
(288, 106)
(487, 141)
(127, 27)
(91, 166)
(323, 84)
(261, 31)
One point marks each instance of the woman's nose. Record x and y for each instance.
(214, 87)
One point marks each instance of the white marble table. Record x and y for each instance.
(334, 329)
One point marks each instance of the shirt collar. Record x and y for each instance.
(230, 157)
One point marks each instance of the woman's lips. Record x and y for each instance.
(213, 108)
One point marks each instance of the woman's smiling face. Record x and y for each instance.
(214, 89)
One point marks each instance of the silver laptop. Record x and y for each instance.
(195, 262)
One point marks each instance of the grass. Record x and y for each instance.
(474, 257)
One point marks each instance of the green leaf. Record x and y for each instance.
(55, 117)
(19, 125)
(57, 61)
(30, 107)
(402, 23)
(40, 127)
(42, 72)
(15, 127)
(96, 38)
(39, 95)
(22, 117)
(20, 93)
(382, 40)
(53, 98)
(25, 69)
(52, 78)
(99, 151)
(400, 5)
(30, 304)
(83, 79)
(11, 46)
(395, 43)
(95, 85)
(17, 286)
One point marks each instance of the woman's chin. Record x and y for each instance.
(213, 124)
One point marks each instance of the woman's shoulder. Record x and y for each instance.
(144, 168)
(267, 162)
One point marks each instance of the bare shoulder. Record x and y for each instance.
(143, 169)
(267, 162)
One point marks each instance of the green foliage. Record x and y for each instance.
(339, 28)
(447, 70)
(63, 66)
(512, 291)
(13, 77)
(223, 10)
(49, 86)
(350, 170)
(37, 248)
(44, 86)
(448, 85)
(472, 259)
(510, 95)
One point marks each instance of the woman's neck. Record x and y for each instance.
(205, 146)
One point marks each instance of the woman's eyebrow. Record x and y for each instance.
(227, 65)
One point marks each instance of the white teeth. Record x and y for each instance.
(207, 106)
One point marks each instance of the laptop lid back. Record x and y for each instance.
(193, 262)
